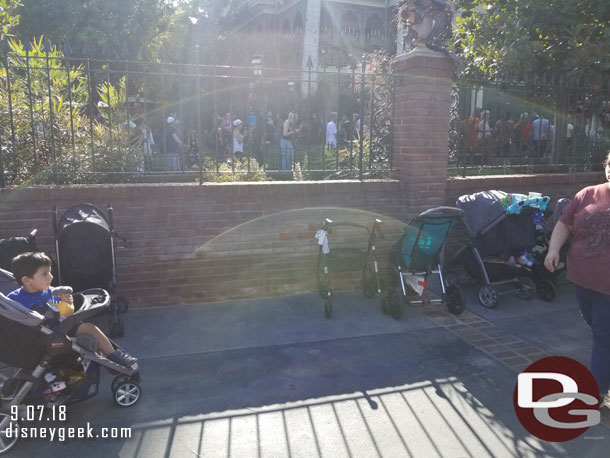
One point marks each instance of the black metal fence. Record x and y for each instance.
(85, 120)
(529, 125)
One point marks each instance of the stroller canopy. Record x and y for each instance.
(11, 247)
(495, 231)
(481, 209)
(85, 248)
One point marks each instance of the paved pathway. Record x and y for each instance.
(273, 378)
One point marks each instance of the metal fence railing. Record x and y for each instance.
(67, 119)
(528, 125)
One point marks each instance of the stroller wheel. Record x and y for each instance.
(546, 290)
(369, 283)
(328, 308)
(121, 378)
(488, 296)
(126, 393)
(454, 300)
(121, 305)
(396, 304)
(7, 424)
(528, 288)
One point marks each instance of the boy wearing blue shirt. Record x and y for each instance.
(33, 272)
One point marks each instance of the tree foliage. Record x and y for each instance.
(569, 37)
(8, 16)
(46, 134)
(103, 24)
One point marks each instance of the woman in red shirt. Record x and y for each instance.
(587, 219)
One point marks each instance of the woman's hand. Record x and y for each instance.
(551, 260)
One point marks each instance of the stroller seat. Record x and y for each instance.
(417, 254)
(420, 246)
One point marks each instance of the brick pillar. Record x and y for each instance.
(421, 127)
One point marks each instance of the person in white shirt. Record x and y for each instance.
(331, 131)
(238, 139)
(541, 128)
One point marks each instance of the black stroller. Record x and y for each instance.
(43, 368)
(13, 246)
(342, 259)
(84, 242)
(497, 234)
(546, 282)
(418, 254)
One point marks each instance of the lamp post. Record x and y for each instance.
(255, 122)
(292, 95)
(257, 64)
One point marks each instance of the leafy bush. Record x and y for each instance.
(45, 132)
(233, 170)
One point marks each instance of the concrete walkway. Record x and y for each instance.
(274, 378)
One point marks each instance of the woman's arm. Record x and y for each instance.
(286, 129)
(558, 238)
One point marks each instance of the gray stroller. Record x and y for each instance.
(47, 368)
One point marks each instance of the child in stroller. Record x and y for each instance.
(33, 272)
(42, 367)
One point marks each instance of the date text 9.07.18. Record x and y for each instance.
(39, 413)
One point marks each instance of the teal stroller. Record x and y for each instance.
(417, 255)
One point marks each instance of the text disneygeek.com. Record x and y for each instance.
(61, 433)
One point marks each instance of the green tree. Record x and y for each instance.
(46, 135)
(103, 24)
(569, 37)
(8, 16)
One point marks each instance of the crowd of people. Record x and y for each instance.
(172, 147)
(485, 137)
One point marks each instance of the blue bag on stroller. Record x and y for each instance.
(418, 254)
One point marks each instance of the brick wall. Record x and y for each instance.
(556, 186)
(189, 243)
